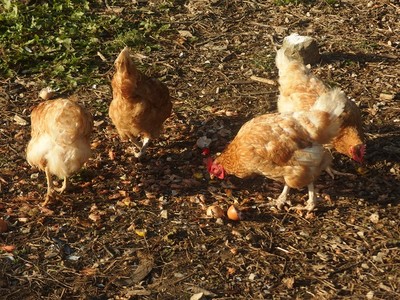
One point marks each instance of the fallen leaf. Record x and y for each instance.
(374, 218)
(94, 217)
(141, 232)
(198, 175)
(288, 282)
(88, 271)
(197, 296)
(7, 248)
(20, 121)
(185, 33)
(3, 226)
(146, 264)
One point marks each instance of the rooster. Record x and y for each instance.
(284, 147)
(140, 104)
(299, 90)
(60, 140)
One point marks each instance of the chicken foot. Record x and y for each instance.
(141, 146)
(63, 187)
(332, 172)
(311, 202)
(51, 188)
(282, 199)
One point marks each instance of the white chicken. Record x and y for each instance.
(60, 140)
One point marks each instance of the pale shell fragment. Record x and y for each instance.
(215, 211)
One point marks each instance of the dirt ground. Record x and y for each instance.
(132, 229)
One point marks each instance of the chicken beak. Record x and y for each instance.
(212, 176)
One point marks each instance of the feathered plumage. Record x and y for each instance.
(140, 104)
(284, 147)
(299, 90)
(60, 140)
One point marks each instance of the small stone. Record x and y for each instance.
(374, 218)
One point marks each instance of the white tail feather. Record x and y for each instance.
(332, 102)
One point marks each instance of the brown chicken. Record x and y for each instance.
(60, 140)
(284, 147)
(299, 90)
(140, 104)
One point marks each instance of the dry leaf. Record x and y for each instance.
(94, 217)
(20, 121)
(111, 154)
(198, 175)
(374, 218)
(141, 232)
(3, 226)
(197, 296)
(288, 282)
(7, 248)
(185, 33)
(88, 271)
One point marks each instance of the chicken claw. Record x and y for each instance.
(63, 187)
(282, 199)
(332, 172)
(311, 202)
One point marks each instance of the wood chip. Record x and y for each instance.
(20, 121)
(263, 80)
(146, 264)
(388, 97)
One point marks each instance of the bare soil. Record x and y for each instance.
(132, 229)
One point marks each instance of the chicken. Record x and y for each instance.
(284, 147)
(299, 90)
(140, 104)
(60, 140)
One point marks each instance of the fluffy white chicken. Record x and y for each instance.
(60, 140)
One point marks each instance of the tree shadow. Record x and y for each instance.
(384, 144)
(330, 57)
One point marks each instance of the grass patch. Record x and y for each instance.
(58, 41)
(264, 61)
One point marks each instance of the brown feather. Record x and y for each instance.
(299, 90)
(140, 104)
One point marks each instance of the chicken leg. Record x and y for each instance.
(51, 188)
(63, 187)
(311, 202)
(142, 146)
(282, 199)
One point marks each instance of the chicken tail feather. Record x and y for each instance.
(323, 121)
(332, 102)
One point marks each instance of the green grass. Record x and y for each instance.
(264, 61)
(58, 42)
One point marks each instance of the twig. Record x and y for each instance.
(263, 80)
